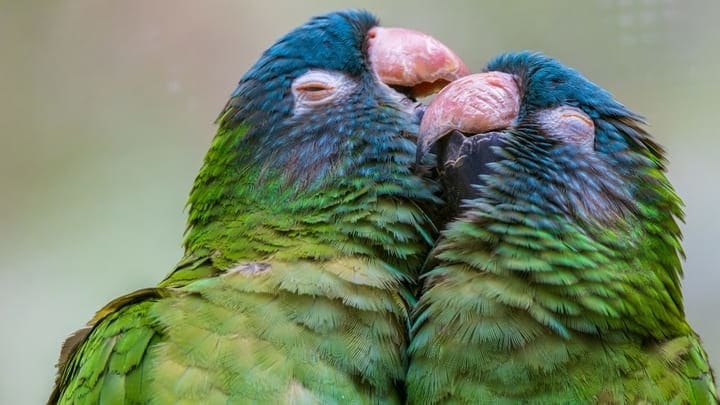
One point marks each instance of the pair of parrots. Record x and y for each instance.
(516, 241)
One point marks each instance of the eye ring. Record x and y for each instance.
(568, 125)
(319, 87)
(577, 118)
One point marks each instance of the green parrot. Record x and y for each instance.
(558, 281)
(304, 231)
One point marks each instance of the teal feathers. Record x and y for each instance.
(559, 280)
(304, 231)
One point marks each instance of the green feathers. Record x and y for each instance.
(559, 280)
(304, 233)
(270, 332)
(105, 362)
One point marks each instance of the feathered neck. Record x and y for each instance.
(283, 189)
(580, 245)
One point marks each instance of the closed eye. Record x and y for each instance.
(577, 119)
(568, 125)
(320, 87)
(314, 87)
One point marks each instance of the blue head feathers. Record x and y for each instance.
(547, 84)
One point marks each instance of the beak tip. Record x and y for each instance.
(474, 104)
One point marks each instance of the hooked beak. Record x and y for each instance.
(477, 103)
(413, 60)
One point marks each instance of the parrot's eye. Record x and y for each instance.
(569, 125)
(320, 87)
(315, 91)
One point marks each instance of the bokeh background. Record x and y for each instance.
(107, 108)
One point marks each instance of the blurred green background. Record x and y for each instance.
(107, 108)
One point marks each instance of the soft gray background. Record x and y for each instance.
(107, 108)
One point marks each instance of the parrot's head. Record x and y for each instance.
(329, 109)
(338, 89)
(569, 142)
(567, 190)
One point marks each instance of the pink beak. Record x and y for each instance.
(474, 104)
(411, 59)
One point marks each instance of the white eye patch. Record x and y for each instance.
(569, 125)
(319, 88)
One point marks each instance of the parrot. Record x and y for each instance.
(305, 228)
(557, 280)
